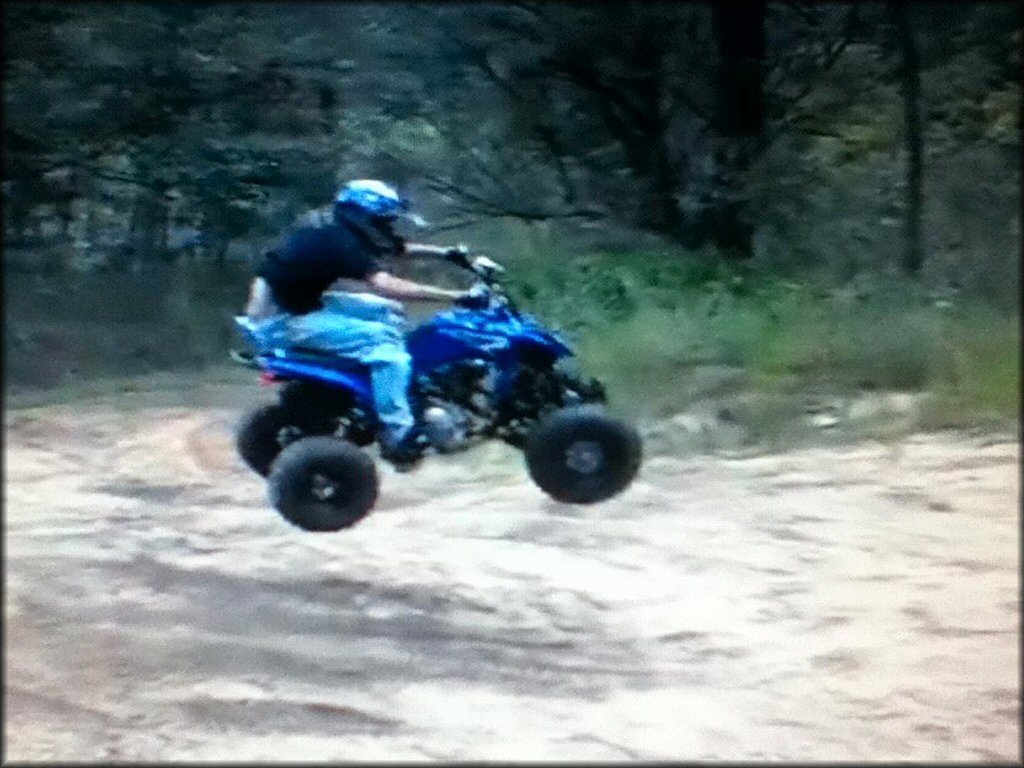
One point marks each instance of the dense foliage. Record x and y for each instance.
(657, 172)
(778, 130)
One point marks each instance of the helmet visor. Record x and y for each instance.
(415, 219)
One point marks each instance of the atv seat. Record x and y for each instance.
(320, 357)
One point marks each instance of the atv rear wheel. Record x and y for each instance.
(317, 408)
(310, 399)
(581, 456)
(265, 430)
(323, 484)
(261, 434)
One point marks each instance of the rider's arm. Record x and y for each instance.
(391, 287)
(422, 249)
(454, 254)
(261, 303)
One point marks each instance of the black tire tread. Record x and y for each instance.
(547, 442)
(256, 436)
(292, 472)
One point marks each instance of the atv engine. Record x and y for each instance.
(445, 425)
(457, 404)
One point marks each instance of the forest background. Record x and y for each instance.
(750, 204)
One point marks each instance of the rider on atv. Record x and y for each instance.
(287, 300)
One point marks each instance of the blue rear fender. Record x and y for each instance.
(458, 334)
(357, 382)
(277, 362)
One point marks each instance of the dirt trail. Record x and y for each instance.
(855, 603)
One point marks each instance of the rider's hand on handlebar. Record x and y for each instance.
(486, 267)
(476, 297)
(458, 255)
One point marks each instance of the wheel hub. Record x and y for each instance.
(584, 456)
(323, 488)
(288, 435)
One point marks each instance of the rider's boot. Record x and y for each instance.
(404, 452)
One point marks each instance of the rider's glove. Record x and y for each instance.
(486, 268)
(458, 255)
(476, 297)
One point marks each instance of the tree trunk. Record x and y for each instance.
(739, 34)
(661, 212)
(17, 211)
(220, 250)
(910, 82)
(739, 121)
(1020, 126)
(147, 234)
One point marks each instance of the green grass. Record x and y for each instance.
(665, 330)
(978, 370)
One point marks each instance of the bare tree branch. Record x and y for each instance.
(545, 134)
(833, 52)
(805, 11)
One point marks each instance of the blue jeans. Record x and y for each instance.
(363, 328)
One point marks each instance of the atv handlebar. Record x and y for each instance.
(488, 283)
(486, 269)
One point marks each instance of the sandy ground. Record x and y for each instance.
(856, 603)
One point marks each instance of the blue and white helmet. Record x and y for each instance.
(374, 197)
(377, 199)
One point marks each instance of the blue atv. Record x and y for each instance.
(488, 373)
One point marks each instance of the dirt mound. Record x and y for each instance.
(854, 603)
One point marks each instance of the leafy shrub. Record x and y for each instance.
(646, 323)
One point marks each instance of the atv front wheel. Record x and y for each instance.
(323, 484)
(581, 456)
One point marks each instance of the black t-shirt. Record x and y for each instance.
(312, 258)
